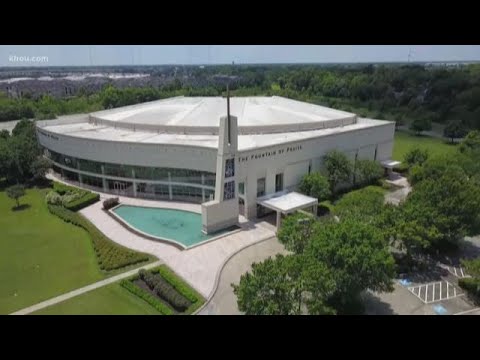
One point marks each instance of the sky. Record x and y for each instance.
(84, 55)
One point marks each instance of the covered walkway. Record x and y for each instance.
(285, 203)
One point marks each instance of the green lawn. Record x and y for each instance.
(41, 256)
(405, 142)
(108, 300)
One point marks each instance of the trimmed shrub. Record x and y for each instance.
(110, 255)
(53, 198)
(179, 284)
(166, 291)
(62, 189)
(146, 296)
(110, 203)
(87, 199)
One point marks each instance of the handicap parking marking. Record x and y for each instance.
(440, 310)
(435, 291)
(458, 272)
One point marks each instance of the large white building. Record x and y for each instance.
(180, 148)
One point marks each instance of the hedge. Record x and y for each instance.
(110, 255)
(164, 290)
(146, 296)
(471, 285)
(62, 188)
(182, 287)
(88, 199)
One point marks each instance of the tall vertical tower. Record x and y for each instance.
(222, 212)
(226, 176)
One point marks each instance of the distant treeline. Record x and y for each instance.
(400, 93)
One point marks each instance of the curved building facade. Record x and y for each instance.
(169, 149)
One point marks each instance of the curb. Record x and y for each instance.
(219, 273)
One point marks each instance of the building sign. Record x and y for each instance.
(267, 154)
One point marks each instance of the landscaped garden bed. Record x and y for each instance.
(165, 291)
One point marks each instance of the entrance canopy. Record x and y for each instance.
(286, 202)
(390, 164)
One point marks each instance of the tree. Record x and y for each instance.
(338, 168)
(280, 286)
(316, 185)
(296, 231)
(4, 134)
(416, 156)
(471, 142)
(40, 167)
(15, 192)
(420, 124)
(363, 204)
(358, 258)
(454, 130)
(367, 172)
(450, 203)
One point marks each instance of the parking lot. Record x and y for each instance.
(436, 291)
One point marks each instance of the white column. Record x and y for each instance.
(104, 181)
(279, 219)
(80, 178)
(134, 183)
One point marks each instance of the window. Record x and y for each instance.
(279, 182)
(241, 188)
(375, 156)
(260, 187)
(229, 168)
(229, 190)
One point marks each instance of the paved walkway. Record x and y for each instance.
(83, 290)
(198, 266)
(224, 301)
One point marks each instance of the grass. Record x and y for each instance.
(109, 300)
(405, 141)
(41, 256)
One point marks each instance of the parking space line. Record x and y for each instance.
(435, 296)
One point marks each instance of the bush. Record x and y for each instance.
(62, 189)
(416, 156)
(179, 285)
(315, 185)
(164, 290)
(110, 255)
(75, 199)
(87, 199)
(110, 203)
(361, 203)
(53, 198)
(146, 296)
(471, 285)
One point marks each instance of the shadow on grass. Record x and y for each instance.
(21, 207)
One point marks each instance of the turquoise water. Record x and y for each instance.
(184, 227)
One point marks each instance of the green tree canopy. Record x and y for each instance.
(316, 185)
(358, 258)
(15, 192)
(416, 156)
(296, 231)
(338, 168)
(454, 130)
(420, 125)
(285, 285)
(367, 172)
